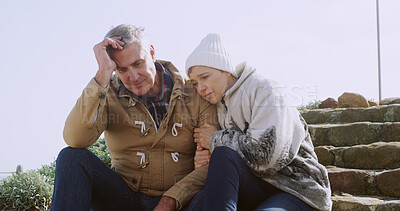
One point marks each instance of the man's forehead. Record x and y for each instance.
(133, 48)
(131, 52)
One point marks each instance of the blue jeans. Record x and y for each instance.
(84, 182)
(230, 185)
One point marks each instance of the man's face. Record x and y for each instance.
(136, 69)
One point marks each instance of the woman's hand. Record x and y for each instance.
(202, 135)
(202, 157)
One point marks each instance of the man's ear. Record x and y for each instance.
(152, 53)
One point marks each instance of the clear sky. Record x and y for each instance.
(315, 48)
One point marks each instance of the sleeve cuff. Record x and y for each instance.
(173, 193)
(94, 90)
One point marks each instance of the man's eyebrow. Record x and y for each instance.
(134, 63)
(120, 68)
(137, 61)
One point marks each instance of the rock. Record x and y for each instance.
(325, 157)
(390, 131)
(391, 100)
(372, 103)
(352, 100)
(322, 116)
(354, 133)
(386, 113)
(361, 203)
(373, 156)
(328, 103)
(345, 134)
(379, 155)
(352, 181)
(388, 183)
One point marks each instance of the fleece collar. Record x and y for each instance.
(243, 70)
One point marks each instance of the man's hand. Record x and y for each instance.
(202, 135)
(106, 64)
(202, 157)
(166, 203)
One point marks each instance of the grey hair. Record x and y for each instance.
(130, 34)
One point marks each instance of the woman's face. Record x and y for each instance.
(210, 83)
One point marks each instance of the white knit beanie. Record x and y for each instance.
(211, 53)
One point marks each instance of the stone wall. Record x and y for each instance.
(361, 149)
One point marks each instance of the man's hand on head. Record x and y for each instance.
(166, 204)
(106, 64)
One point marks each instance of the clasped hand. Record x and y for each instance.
(202, 136)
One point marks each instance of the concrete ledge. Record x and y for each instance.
(354, 133)
(375, 156)
(386, 113)
(364, 203)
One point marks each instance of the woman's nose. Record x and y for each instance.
(202, 87)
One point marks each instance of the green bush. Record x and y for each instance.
(33, 189)
(49, 171)
(27, 191)
(311, 105)
(100, 149)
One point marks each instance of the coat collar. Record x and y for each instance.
(177, 90)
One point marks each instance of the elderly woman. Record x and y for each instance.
(263, 158)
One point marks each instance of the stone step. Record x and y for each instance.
(387, 113)
(365, 182)
(354, 133)
(379, 155)
(364, 203)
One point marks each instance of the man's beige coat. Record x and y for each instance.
(151, 161)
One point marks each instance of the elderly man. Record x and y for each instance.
(147, 112)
